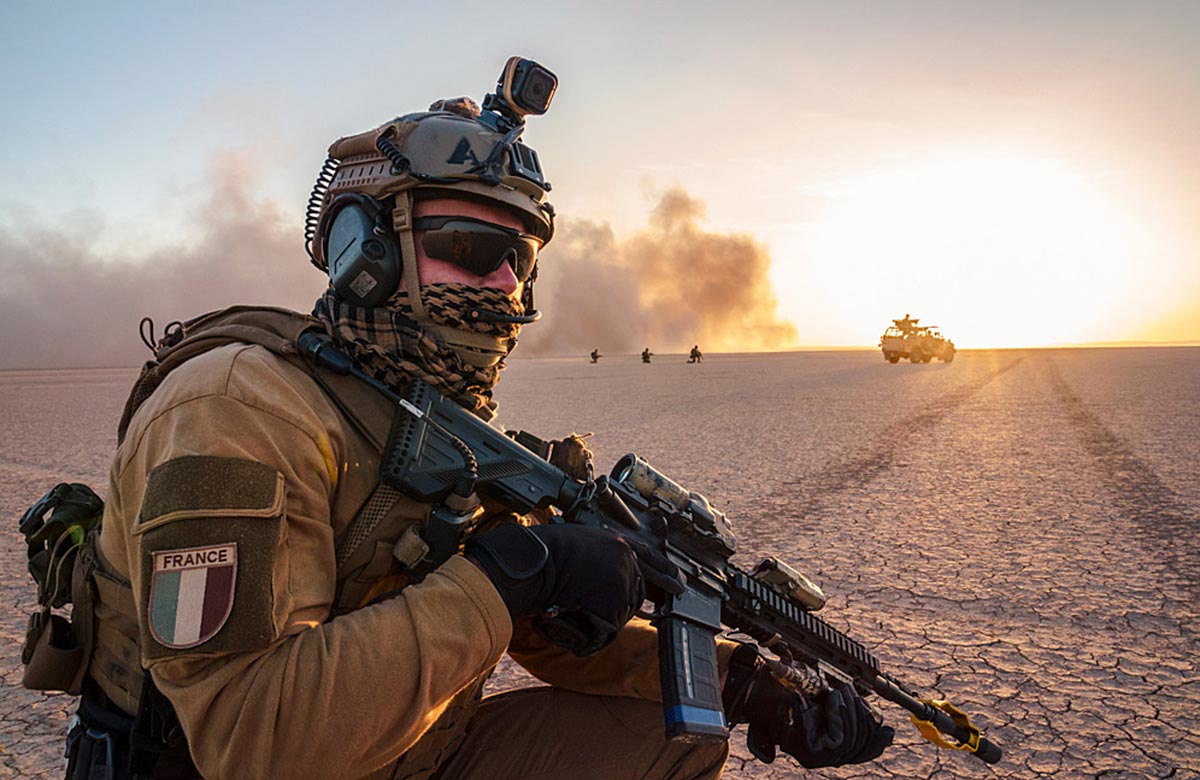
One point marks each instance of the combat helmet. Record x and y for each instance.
(454, 149)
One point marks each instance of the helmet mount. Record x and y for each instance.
(453, 150)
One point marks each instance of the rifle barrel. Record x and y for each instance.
(968, 737)
(766, 614)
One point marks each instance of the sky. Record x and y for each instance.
(747, 175)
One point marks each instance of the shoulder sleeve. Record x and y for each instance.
(231, 555)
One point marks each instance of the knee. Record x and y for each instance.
(673, 759)
(700, 762)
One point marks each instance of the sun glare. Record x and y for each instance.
(1001, 251)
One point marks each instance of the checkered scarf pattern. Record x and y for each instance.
(387, 343)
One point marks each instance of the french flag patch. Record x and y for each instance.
(191, 594)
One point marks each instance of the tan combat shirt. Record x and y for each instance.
(240, 455)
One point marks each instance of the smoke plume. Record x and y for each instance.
(65, 305)
(667, 287)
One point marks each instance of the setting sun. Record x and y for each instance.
(1001, 250)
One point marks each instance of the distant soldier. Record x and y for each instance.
(596, 356)
(696, 355)
(646, 355)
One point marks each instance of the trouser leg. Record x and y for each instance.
(549, 733)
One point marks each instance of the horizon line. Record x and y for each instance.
(1131, 344)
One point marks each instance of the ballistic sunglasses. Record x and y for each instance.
(478, 246)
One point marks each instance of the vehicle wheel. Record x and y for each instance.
(893, 358)
(948, 357)
(927, 358)
(915, 355)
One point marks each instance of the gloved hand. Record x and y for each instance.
(834, 729)
(581, 584)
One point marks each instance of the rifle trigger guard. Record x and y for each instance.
(931, 733)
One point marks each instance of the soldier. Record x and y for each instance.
(596, 356)
(283, 600)
(695, 356)
(646, 355)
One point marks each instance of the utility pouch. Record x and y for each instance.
(53, 660)
(60, 533)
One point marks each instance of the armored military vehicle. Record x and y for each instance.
(906, 338)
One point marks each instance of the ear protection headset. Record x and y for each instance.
(365, 263)
(361, 249)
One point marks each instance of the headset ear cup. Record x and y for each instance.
(360, 249)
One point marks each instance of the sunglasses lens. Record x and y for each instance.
(480, 248)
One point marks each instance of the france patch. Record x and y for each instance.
(191, 594)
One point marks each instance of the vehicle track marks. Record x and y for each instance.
(1138, 492)
(863, 467)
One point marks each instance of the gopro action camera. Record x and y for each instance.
(524, 88)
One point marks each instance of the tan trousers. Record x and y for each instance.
(552, 734)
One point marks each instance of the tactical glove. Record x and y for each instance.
(833, 729)
(581, 584)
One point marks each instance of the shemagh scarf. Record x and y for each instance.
(387, 342)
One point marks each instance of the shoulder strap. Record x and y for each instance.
(272, 328)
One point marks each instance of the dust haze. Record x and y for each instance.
(668, 287)
(63, 304)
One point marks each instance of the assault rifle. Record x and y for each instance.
(437, 450)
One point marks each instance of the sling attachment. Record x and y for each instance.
(449, 522)
(446, 528)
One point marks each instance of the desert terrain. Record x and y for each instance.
(1016, 531)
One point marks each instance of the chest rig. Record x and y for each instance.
(393, 540)
(383, 548)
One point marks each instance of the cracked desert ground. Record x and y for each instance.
(1016, 531)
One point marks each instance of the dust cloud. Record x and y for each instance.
(668, 287)
(64, 304)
